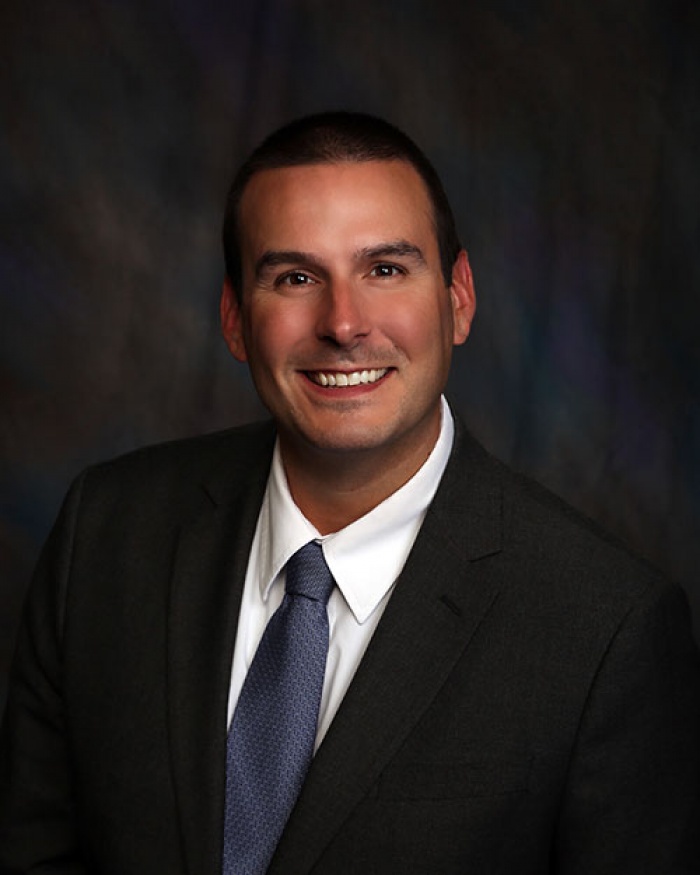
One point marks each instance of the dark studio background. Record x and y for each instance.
(568, 138)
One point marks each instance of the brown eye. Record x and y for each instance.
(384, 271)
(295, 278)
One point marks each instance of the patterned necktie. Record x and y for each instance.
(273, 732)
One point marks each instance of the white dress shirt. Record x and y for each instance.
(365, 558)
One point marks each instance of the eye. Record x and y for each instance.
(386, 271)
(295, 278)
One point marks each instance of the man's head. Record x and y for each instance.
(342, 309)
(333, 138)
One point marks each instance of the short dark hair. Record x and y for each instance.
(329, 138)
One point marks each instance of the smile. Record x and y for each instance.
(342, 378)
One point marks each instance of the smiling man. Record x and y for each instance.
(347, 640)
(348, 325)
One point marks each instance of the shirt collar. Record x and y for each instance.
(367, 556)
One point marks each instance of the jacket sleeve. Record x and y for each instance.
(38, 830)
(632, 799)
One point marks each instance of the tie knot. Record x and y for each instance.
(308, 574)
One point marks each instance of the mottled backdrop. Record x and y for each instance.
(568, 136)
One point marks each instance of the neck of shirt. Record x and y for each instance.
(365, 558)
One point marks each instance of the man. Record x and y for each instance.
(502, 689)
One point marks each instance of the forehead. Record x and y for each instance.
(361, 199)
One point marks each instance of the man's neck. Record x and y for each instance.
(334, 488)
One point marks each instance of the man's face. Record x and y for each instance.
(345, 319)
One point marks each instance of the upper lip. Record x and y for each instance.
(335, 370)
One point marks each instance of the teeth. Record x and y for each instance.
(343, 379)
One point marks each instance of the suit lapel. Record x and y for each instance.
(440, 599)
(206, 587)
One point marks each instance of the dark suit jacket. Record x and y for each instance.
(528, 704)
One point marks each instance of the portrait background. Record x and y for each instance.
(567, 136)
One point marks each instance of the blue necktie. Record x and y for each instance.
(273, 732)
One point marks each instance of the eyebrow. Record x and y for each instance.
(397, 248)
(275, 258)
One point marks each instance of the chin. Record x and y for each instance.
(357, 439)
(329, 443)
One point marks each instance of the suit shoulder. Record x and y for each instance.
(556, 547)
(221, 456)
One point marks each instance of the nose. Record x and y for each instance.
(343, 314)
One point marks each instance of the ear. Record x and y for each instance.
(232, 321)
(463, 298)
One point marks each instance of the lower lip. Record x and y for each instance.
(341, 392)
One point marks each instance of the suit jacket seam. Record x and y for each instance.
(68, 538)
(615, 634)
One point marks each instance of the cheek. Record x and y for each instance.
(421, 326)
(274, 332)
